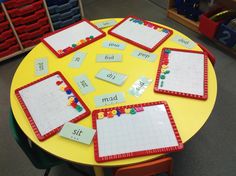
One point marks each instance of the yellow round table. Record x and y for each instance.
(189, 114)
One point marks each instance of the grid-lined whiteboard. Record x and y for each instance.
(146, 132)
(141, 33)
(182, 72)
(72, 35)
(47, 105)
(70, 38)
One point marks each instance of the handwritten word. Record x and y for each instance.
(109, 58)
(111, 75)
(110, 99)
(83, 83)
(144, 55)
(77, 132)
(114, 44)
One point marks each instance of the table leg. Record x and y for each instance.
(98, 170)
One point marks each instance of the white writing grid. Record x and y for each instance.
(47, 104)
(186, 73)
(72, 35)
(146, 130)
(138, 33)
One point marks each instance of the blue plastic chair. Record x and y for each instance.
(39, 158)
(209, 54)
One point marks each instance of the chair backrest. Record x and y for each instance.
(209, 54)
(19, 135)
(37, 156)
(162, 165)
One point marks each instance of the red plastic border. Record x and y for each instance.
(28, 115)
(205, 84)
(103, 34)
(170, 32)
(140, 153)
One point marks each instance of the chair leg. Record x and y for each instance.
(46, 173)
(170, 172)
(78, 170)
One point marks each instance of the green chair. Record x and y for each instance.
(39, 158)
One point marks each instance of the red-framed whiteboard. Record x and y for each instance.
(141, 33)
(71, 38)
(134, 130)
(182, 73)
(49, 102)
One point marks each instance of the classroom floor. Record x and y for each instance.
(210, 152)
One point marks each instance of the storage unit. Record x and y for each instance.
(8, 41)
(207, 26)
(215, 31)
(24, 22)
(172, 13)
(226, 35)
(63, 13)
(31, 29)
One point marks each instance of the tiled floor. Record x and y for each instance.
(211, 152)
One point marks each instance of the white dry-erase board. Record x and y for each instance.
(134, 130)
(183, 73)
(73, 37)
(141, 33)
(49, 103)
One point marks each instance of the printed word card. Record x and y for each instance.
(111, 76)
(134, 130)
(183, 73)
(41, 66)
(109, 58)
(104, 24)
(144, 55)
(108, 99)
(141, 33)
(84, 84)
(138, 88)
(113, 45)
(187, 43)
(69, 39)
(49, 103)
(77, 133)
(77, 60)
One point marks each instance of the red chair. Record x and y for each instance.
(151, 168)
(209, 54)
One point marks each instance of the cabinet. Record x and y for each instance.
(172, 13)
(24, 22)
(194, 25)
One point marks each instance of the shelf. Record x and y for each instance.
(194, 26)
(16, 53)
(172, 13)
(225, 48)
(28, 29)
